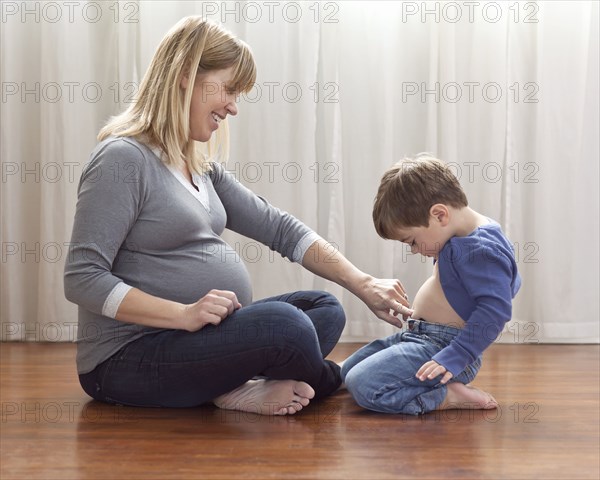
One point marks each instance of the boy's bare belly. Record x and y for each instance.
(430, 303)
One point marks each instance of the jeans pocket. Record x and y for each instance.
(436, 342)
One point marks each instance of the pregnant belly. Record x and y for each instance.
(186, 277)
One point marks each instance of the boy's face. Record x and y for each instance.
(427, 241)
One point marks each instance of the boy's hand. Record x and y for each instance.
(432, 369)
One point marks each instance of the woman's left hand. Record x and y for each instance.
(385, 295)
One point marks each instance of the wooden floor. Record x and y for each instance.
(547, 428)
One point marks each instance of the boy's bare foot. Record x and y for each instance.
(268, 397)
(461, 396)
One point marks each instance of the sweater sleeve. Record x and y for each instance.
(110, 196)
(487, 277)
(253, 216)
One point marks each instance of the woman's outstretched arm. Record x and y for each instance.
(380, 295)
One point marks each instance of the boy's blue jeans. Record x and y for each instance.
(282, 337)
(381, 375)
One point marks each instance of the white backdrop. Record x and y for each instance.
(506, 92)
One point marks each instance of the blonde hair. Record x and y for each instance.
(409, 189)
(160, 114)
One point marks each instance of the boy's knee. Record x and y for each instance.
(346, 367)
(373, 394)
(343, 373)
(358, 387)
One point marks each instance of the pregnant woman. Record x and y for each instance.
(166, 316)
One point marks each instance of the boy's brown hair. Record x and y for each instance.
(409, 189)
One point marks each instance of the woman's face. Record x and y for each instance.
(212, 100)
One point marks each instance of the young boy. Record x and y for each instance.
(457, 313)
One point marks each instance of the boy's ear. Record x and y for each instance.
(440, 213)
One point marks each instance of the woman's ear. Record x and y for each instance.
(185, 77)
(185, 81)
(440, 213)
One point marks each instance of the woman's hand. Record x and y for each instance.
(381, 296)
(212, 308)
(385, 295)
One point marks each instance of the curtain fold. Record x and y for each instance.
(509, 97)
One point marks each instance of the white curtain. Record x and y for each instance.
(505, 92)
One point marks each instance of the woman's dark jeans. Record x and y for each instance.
(282, 337)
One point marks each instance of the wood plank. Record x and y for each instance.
(547, 427)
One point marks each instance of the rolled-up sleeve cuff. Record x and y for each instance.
(114, 299)
(453, 358)
(303, 245)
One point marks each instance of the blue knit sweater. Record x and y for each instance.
(479, 277)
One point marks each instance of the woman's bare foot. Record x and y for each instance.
(268, 397)
(461, 396)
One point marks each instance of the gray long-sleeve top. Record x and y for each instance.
(138, 225)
